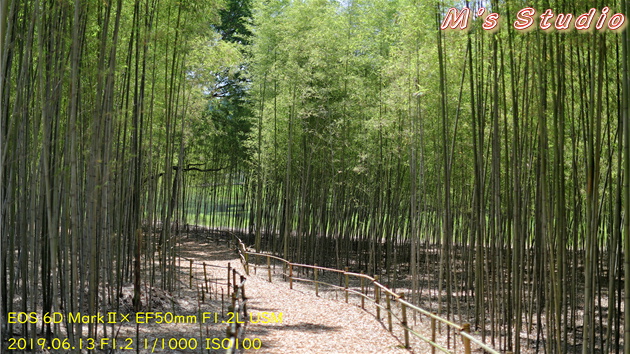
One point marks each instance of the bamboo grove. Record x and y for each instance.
(485, 173)
(97, 99)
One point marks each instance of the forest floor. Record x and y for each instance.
(195, 312)
(463, 305)
(300, 322)
(309, 324)
(326, 323)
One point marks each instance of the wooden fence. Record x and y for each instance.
(382, 297)
(235, 282)
(236, 329)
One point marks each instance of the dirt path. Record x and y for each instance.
(300, 322)
(314, 325)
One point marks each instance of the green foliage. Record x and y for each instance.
(230, 115)
(235, 19)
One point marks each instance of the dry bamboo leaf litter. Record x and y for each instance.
(314, 325)
(310, 324)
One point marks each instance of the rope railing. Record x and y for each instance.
(383, 298)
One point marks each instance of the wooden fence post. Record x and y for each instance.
(232, 310)
(316, 282)
(389, 312)
(465, 340)
(190, 274)
(377, 294)
(404, 320)
(234, 279)
(229, 276)
(433, 333)
(246, 260)
(232, 305)
(256, 258)
(346, 284)
(269, 268)
(243, 298)
(362, 293)
(290, 275)
(205, 277)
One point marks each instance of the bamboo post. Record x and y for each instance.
(228, 279)
(269, 268)
(345, 273)
(190, 273)
(448, 334)
(316, 282)
(256, 264)
(433, 333)
(233, 309)
(228, 331)
(246, 261)
(205, 276)
(403, 309)
(362, 293)
(389, 312)
(243, 296)
(290, 275)
(377, 298)
(465, 340)
(234, 279)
